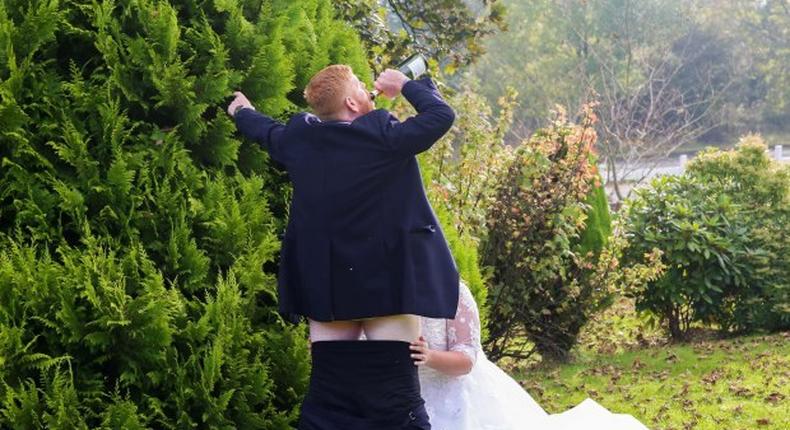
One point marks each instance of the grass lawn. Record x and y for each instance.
(742, 383)
(707, 384)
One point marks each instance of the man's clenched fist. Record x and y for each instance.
(239, 102)
(390, 82)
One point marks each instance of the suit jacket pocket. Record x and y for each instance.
(427, 228)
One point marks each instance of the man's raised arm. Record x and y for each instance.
(256, 126)
(434, 116)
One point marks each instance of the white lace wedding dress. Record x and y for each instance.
(487, 398)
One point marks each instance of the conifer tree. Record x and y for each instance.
(598, 222)
(138, 234)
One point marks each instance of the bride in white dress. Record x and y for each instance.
(463, 390)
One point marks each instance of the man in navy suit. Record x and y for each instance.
(363, 251)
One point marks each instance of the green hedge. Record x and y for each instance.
(138, 235)
(464, 250)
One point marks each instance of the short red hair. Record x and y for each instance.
(327, 88)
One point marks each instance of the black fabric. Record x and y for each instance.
(363, 385)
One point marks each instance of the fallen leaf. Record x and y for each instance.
(774, 398)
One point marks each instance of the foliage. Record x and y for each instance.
(723, 229)
(756, 34)
(720, 65)
(461, 170)
(458, 175)
(554, 49)
(704, 244)
(531, 56)
(618, 329)
(465, 254)
(542, 285)
(707, 385)
(138, 236)
(449, 31)
(598, 226)
(761, 186)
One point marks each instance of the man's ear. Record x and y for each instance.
(352, 104)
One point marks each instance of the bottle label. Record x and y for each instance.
(417, 67)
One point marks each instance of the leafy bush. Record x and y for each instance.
(465, 254)
(458, 173)
(761, 186)
(138, 237)
(547, 280)
(461, 170)
(723, 229)
(703, 240)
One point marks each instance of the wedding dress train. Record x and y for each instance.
(487, 398)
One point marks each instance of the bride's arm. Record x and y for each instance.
(463, 340)
(453, 363)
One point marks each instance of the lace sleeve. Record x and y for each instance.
(463, 332)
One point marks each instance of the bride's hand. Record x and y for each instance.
(421, 353)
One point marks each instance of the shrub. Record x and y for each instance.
(459, 173)
(461, 170)
(464, 250)
(761, 186)
(723, 227)
(138, 236)
(598, 225)
(547, 280)
(703, 240)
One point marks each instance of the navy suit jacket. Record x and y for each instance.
(362, 240)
